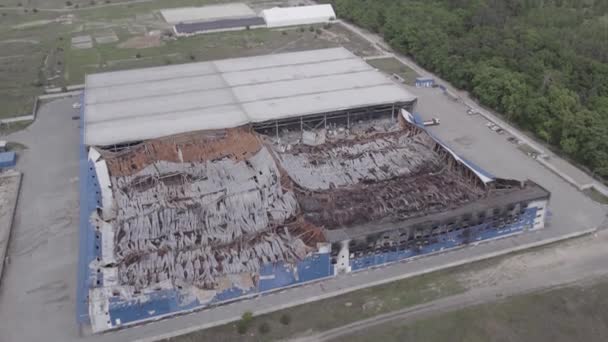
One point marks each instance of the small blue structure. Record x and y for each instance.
(424, 82)
(8, 159)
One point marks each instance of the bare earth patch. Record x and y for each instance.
(141, 42)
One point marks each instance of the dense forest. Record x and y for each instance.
(541, 63)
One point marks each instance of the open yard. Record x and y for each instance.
(57, 45)
(333, 312)
(391, 66)
(488, 277)
(578, 313)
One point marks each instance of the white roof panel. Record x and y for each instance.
(314, 85)
(148, 103)
(299, 15)
(282, 59)
(113, 78)
(149, 106)
(298, 71)
(322, 102)
(163, 124)
(158, 88)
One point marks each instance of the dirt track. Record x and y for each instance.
(571, 262)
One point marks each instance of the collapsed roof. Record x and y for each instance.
(209, 209)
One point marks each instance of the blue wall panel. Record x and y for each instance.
(445, 241)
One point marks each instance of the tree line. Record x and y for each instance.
(542, 63)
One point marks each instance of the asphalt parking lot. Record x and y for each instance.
(38, 289)
(469, 136)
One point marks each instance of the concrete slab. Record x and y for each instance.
(82, 42)
(106, 37)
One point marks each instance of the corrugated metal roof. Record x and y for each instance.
(223, 24)
(147, 103)
(299, 15)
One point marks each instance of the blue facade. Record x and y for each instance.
(8, 159)
(272, 277)
(89, 249)
(446, 241)
(424, 82)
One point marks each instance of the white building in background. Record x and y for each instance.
(301, 15)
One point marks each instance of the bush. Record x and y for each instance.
(192, 56)
(284, 33)
(68, 3)
(264, 328)
(301, 29)
(285, 319)
(138, 55)
(243, 325)
(35, 10)
(311, 29)
(247, 316)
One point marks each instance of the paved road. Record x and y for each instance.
(569, 266)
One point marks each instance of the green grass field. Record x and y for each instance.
(596, 196)
(566, 314)
(391, 66)
(337, 311)
(36, 48)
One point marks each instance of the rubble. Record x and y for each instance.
(377, 175)
(220, 210)
(208, 209)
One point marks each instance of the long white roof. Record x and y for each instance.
(298, 15)
(132, 105)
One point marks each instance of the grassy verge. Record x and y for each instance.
(15, 146)
(565, 314)
(596, 196)
(391, 66)
(308, 319)
(336, 311)
(527, 149)
(9, 128)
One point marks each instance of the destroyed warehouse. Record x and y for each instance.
(207, 182)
